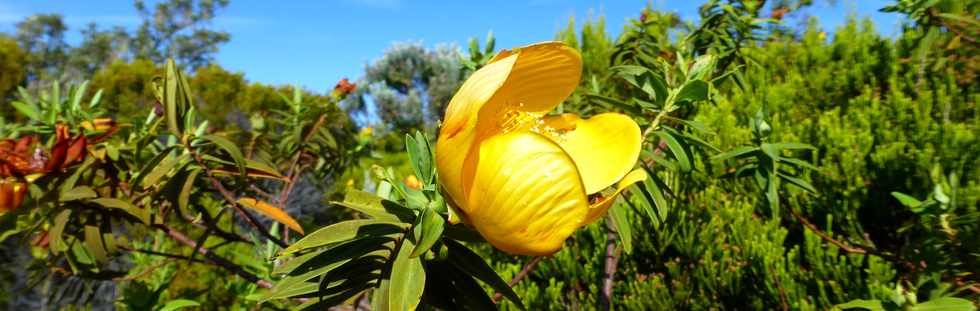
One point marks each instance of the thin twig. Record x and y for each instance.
(143, 273)
(942, 21)
(783, 301)
(825, 236)
(230, 199)
(293, 166)
(214, 258)
(156, 253)
(520, 276)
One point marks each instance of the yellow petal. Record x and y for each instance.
(457, 135)
(597, 209)
(604, 147)
(527, 197)
(531, 79)
(473, 94)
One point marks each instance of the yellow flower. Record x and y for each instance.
(521, 178)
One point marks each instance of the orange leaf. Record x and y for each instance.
(75, 151)
(272, 212)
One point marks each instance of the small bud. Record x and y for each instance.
(413, 182)
(158, 109)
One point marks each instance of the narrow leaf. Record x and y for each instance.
(429, 231)
(473, 264)
(407, 277)
(272, 212)
(179, 304)
(344, 231)
(230, 148)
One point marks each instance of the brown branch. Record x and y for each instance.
(143, 273)
(230, 198)
(156, 253)
(520, 276)
(825, 236)
(613, 252)
(942, 21)
(214, 258)
(783, 301)
(284, 195)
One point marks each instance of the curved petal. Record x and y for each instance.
(600, 207)
(476, 91)
(604, 147)
(456, 135)
(543, 76)
(527, 197)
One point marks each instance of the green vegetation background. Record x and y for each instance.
(885, 114)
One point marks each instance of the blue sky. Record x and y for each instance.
(315, 43)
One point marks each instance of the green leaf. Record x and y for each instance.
(407, 277)
(799, 164)
(420, 156)
(793, 146)
(179, 304)
(230, 148)
(428, 231)
(474, 265)
(76, 99)
(165, 167)
(939, 195)
(93, 243)
(467, 293)
(690, 137)
(173, 98)
(770, 150)
(150, 166)
(344, 231)
(873, 305)
(376, 207)
(57, 228)
(143, 214)
(654, 193)
(736, 153)
(799, 182)
(680, 153)
(262, 167)
(185, 192)
(906, 200)
(703, 66)
(337, 298)
(77, 193)
(351, 278)
(692, 91)
(379, 298)
(28, 110)
(309, 266)
(617, 214)
(944, 304)
(651, 83)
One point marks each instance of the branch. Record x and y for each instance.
(143, 273)
(230, 198)
(825, 236)
(520, 276)
(613, 252)
(942, 21)
(214, 258)
(782, 293)
(156, 253)
(284, 195)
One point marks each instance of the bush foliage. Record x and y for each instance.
(790, 167)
